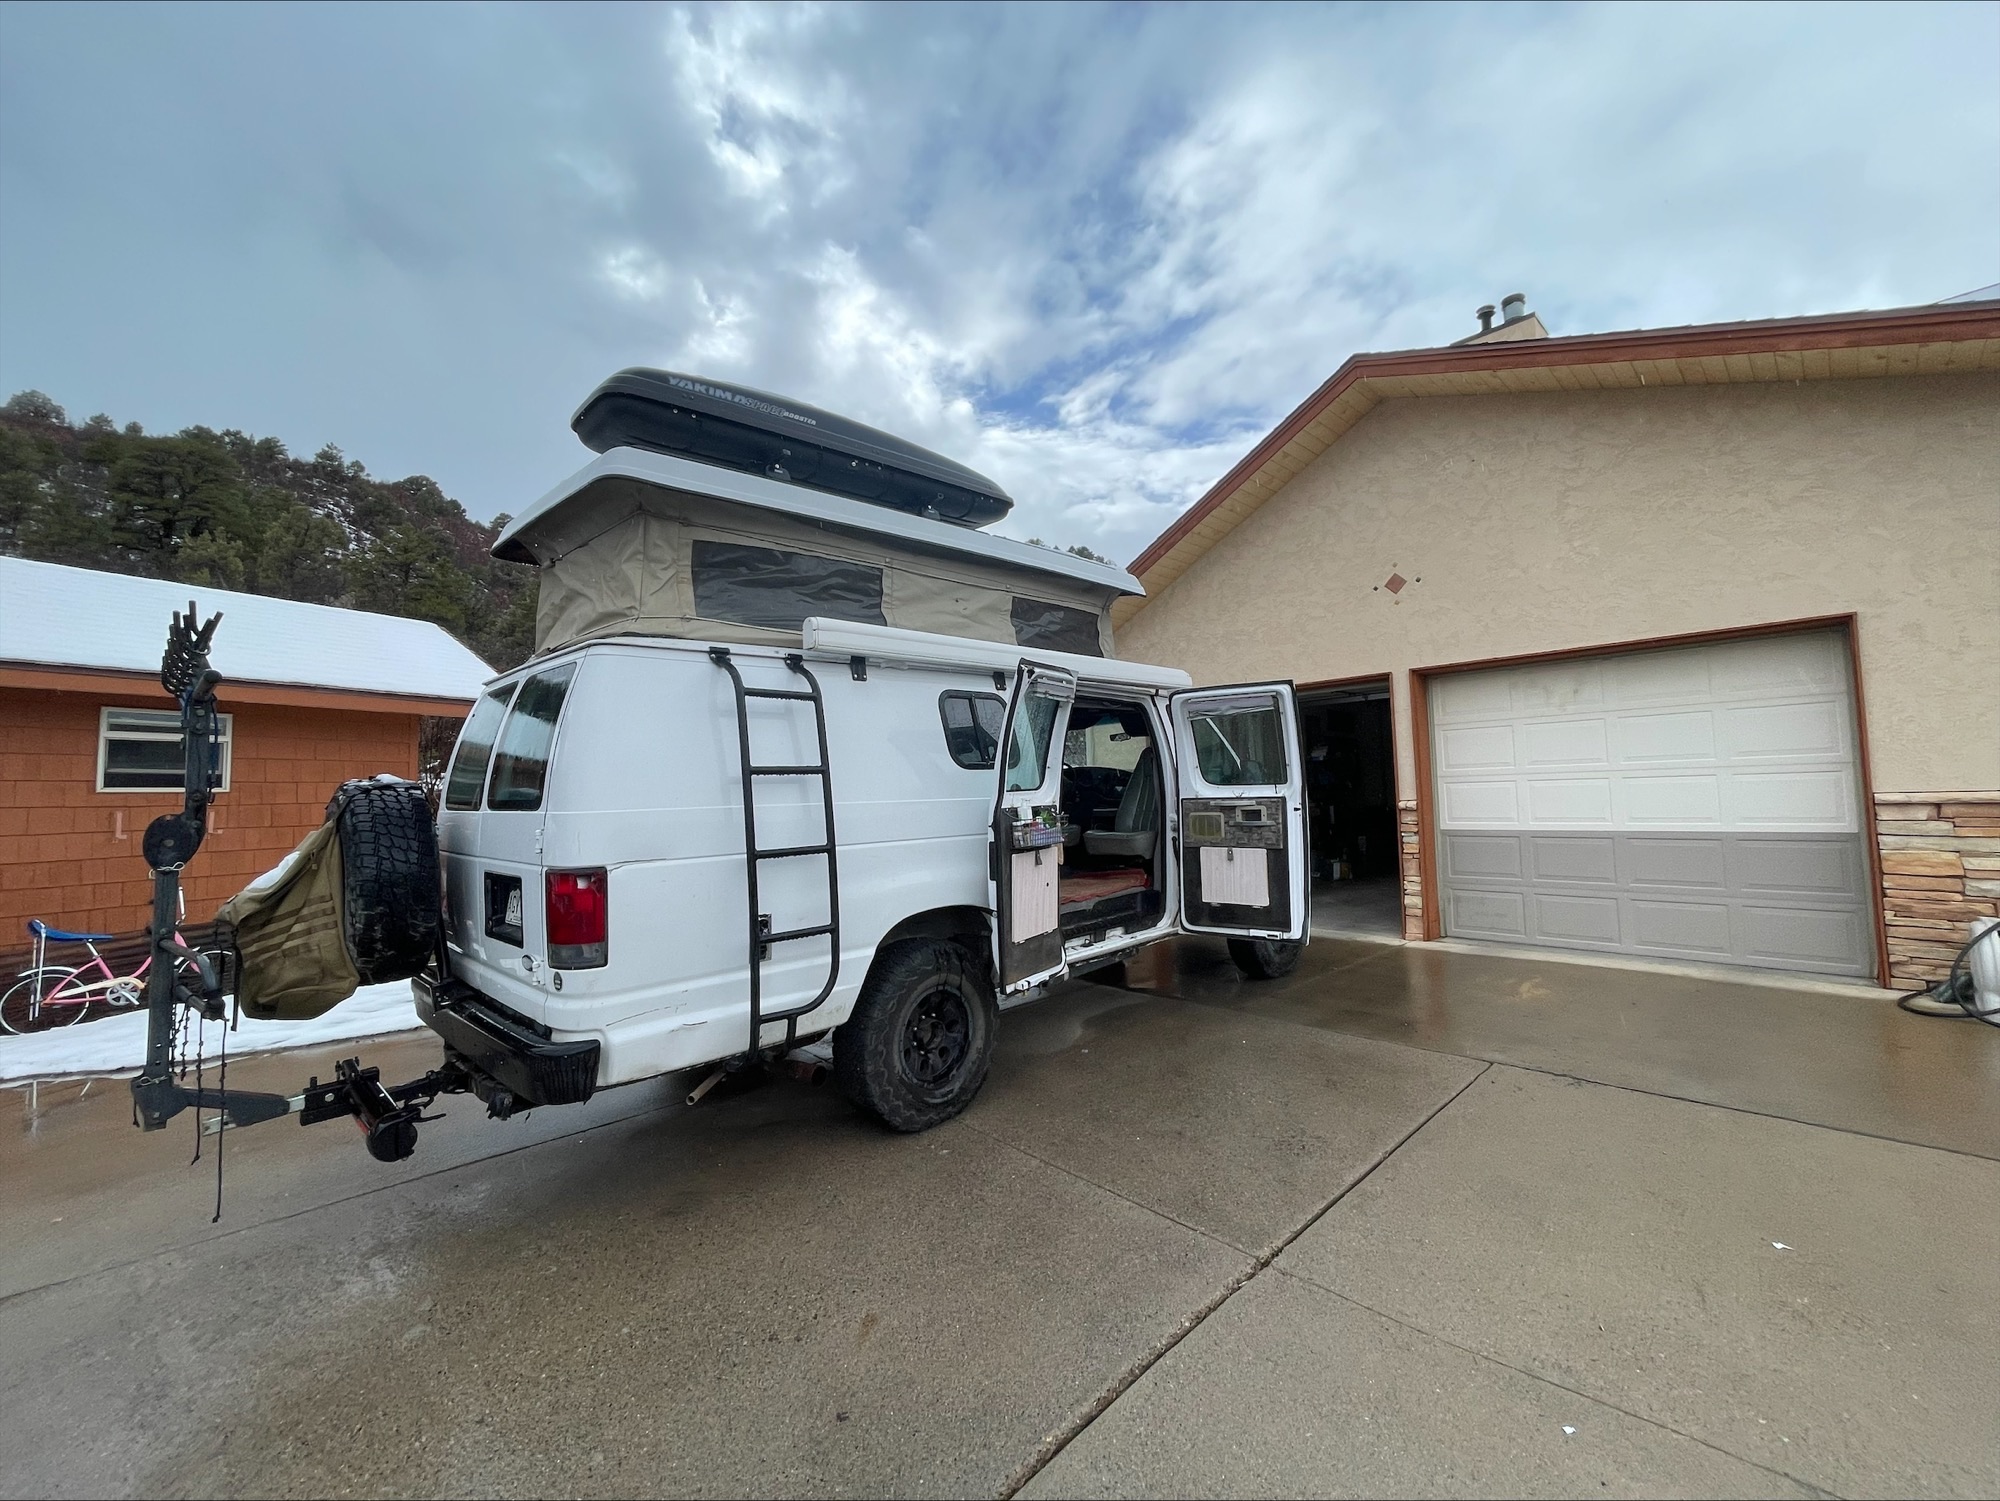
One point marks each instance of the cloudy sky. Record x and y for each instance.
(1094, 252)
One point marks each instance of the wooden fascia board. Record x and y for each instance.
(141, 685)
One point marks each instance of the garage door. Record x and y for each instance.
(1694, 803)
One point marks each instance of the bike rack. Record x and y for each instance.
(388, 1115)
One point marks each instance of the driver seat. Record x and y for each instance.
(1135, 830)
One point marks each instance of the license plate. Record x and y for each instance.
(503, 908)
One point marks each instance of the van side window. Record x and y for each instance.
(522, 765)
(475, 749)
(1056, 627)
(972, 725)
(767, 587)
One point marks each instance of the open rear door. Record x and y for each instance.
(1242, 811)
(1027, 830)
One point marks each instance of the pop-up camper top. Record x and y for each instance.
(647, 542)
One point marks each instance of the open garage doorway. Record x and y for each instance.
(1350, 763)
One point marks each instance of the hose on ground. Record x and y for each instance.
(1955, 989)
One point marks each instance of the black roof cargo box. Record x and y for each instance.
(757, 433)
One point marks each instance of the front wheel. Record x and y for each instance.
(1265, 958)
(28, 1006)
(917, 1047)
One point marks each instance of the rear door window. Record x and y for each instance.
(475, 750)
(521, 767)
(1240, 742)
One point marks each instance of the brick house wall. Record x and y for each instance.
(70, 854)
(1940, 872)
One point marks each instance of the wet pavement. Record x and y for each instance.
(1404, 1222)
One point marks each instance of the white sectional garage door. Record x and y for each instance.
(1693, 803)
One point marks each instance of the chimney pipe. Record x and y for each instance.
(1513, 307)
(1485, 317)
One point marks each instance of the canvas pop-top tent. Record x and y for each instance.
(723, 514)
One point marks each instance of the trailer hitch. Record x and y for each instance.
(387, 1115)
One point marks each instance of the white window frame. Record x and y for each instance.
(169, 721)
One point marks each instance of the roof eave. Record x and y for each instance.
(1940, 323)
(69, 677)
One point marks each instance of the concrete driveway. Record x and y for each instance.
(1406, 1222)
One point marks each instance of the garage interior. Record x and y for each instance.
(1350, 776)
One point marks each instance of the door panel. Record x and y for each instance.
(509, 899)
(1692, 802)
(1242, 811)
(1026, 850)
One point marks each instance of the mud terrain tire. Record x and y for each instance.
(1265, 958)
(918, 1045)
(389, 872)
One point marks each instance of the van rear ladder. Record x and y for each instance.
(761, 938)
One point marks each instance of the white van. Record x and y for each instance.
(726, 836)
(934, 825)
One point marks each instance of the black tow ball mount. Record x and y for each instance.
(387, 1116)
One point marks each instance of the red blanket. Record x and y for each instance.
(1092, 885)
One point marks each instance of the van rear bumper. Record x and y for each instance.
(508, 1050)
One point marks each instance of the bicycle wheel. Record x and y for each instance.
(26, 1006)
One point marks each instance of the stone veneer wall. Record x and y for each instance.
(1409, 841)
(1940, 870)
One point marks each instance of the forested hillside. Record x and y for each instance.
(237, 512)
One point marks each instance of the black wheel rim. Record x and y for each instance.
(936, 1038)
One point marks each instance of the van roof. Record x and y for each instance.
(539, 535)
(843, 640)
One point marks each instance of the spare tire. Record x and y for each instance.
(389, 862)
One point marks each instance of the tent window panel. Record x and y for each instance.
(763, 586)
(1056, 627)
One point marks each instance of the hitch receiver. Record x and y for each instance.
(386, 1115)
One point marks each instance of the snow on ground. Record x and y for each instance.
(117, 1044)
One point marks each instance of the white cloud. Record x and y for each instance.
(1094, 252)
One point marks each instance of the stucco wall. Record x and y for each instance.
(70, 854)
(1544, 522)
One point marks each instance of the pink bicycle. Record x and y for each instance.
(47, 995)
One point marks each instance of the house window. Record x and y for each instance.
(139, 750)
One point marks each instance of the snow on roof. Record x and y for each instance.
(518, 543)
(52, 616)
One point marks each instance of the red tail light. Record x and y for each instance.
(579, 919)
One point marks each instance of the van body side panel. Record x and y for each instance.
(648, 784)
(645, 781)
